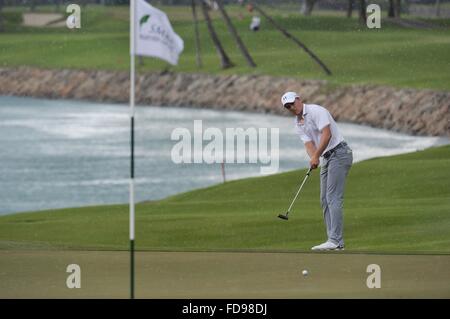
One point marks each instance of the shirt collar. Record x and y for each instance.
(304, 110)
(304, 113)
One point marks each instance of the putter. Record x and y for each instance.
(285, 216)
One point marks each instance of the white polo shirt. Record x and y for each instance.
(316, 118)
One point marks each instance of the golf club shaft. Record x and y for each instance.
(298, 192)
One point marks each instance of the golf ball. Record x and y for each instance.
(305, 272)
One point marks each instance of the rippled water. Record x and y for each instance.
(59, 153)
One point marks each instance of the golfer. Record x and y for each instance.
(321, 137)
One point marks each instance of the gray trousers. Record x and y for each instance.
(333, 173)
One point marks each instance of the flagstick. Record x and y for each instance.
(223, 171)
(132, 80)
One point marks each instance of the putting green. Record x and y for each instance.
(42, 274)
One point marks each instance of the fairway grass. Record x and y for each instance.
(392, 55)
(398, 204)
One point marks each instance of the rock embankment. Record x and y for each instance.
(421, 112)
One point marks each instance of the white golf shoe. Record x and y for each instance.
(327, 246)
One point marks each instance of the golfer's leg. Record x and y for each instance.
(338, 168)
(323, 196)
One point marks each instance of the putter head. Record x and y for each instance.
(283, 216)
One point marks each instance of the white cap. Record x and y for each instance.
(289, 97)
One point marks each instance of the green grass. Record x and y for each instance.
(393, 55)
(394, 204)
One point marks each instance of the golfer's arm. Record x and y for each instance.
(324, 140)
(310, 149)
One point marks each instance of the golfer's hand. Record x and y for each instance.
(314, 162)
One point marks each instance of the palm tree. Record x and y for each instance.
(395, 8)
(198, 57)
(391, 11)
(235, 35)
(1, 16)
(362, 11)
(307, 7)
(398, 8)
(293, 38)
(350, 8)
(224, 59)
